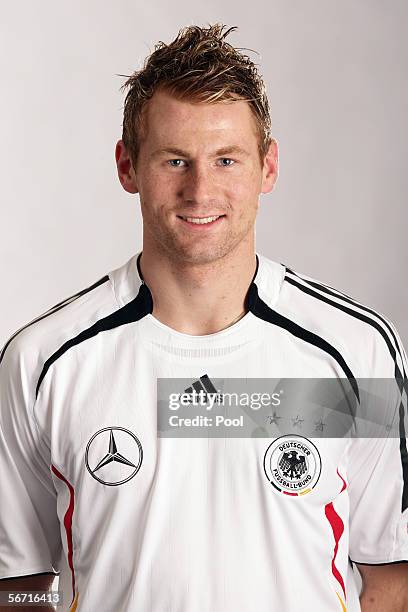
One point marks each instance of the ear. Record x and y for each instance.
(126, 172)
(270, 167)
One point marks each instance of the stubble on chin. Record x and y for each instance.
(194, 250)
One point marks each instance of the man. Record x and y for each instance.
(134, 521)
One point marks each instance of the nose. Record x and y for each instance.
(199, 187)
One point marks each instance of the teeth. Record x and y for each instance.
(200, 221)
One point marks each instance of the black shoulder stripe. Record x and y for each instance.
(99, 282)
(322, 286)
(354, 313)
(139, 307)
(401, 379)
(55, 308)
(404, 457)
(260, 309)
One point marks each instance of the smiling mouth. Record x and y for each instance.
(201, 220)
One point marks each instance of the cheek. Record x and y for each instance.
(245, 195)
(156, 190)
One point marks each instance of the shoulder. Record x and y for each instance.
(27, 349)
(365, 335)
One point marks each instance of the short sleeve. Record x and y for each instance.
(378, 525)
(378, 469)
(30, 540)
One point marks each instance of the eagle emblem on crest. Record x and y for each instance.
(293, 464)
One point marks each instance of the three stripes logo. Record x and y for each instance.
(202, 384)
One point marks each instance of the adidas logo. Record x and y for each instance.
(206, 389)
(203, 383)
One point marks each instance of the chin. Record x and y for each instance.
(200, 256)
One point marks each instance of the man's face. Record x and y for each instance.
(198, 161)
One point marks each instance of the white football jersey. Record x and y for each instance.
(136, 522)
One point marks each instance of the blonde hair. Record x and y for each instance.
(198, 65)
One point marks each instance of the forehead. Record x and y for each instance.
(167, 118)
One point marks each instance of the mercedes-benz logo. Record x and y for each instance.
(113, 467)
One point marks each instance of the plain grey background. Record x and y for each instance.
(336, 77)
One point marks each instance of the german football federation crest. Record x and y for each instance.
(292, 465)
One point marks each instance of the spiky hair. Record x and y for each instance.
(198, 65)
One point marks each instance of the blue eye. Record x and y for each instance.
(176, 163)
(226, 161)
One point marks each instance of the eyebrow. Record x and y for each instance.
(231, 150)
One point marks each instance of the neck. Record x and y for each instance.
(199, 299)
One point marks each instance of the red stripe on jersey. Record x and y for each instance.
(68, 525)
(337, 526)
(344, 482)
